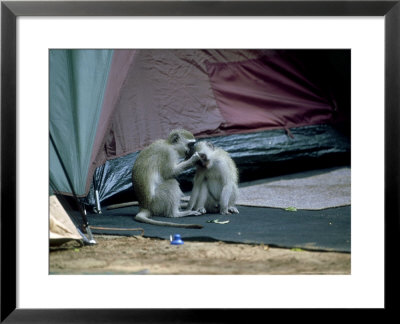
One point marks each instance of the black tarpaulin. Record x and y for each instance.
(257, 155)
(326, 230)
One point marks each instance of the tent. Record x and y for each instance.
(268, 108)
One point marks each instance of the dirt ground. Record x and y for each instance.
(140, 255)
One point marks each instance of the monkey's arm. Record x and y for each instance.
(225, 196)
(182, 166)
(202, 198)
(198, 180)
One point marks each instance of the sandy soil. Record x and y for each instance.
(139, 255)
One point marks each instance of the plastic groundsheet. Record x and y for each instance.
(325, 230)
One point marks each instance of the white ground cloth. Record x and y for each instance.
(317, 191)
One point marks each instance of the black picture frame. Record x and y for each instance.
(10, 10)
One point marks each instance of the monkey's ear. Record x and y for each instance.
(210, 145)
(174, 138)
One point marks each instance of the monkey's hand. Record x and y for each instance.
(202, 210)
(195, 157)
(180, 167)
(233, 210)
(229, 210)
(224, 211)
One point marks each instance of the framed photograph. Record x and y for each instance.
(370, 30)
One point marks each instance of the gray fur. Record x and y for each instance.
(215, 187)
(154, 182)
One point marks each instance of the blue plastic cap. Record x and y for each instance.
(177, 240)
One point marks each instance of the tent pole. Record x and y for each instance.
(91, 239)
(88, 230)
(98, 207)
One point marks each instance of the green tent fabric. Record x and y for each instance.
(77, 84)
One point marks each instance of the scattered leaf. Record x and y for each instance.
(297, 249)
(266, 247)
(76, 250)
(292, 209)
(216, 221)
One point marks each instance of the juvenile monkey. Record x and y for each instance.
(154, 182)
(215, 187)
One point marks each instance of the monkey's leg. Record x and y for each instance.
(167, 200)
(184, 205)
(187, 213)
(178, 213)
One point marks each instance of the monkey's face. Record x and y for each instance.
(183, 142)
(185, 147)
(205, 151)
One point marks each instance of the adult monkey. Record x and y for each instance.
(154, 182)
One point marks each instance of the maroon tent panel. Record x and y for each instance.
(267, 93)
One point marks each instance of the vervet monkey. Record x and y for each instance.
(154, 182)
(215, 186)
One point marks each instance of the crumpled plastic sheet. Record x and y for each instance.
(257, 155)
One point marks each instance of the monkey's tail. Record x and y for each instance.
(144, 217)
